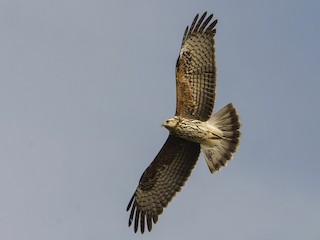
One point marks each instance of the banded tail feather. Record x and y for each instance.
(218, 151)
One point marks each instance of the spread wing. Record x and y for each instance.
(195, 70)
(161, 180)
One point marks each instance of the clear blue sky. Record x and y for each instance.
(85, 86)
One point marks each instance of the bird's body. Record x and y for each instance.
(191, 130)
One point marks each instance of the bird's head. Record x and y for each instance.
(171, 123)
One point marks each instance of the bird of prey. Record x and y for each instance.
(191, 129)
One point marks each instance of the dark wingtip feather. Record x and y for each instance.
(199, 22)
(155, 219)
(200, 26)
(149, 223)
(205, 23)
(136, 220)
(142, 218)
(185, 34)
(212, 25)
(130, 203)
(131, 216)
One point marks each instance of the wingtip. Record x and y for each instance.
(130, 203)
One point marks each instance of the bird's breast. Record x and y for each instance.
(193, 130)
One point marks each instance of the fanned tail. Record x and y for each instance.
(218, 151)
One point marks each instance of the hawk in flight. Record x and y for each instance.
(191, 129)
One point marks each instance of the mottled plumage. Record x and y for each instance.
(191, 129)
(196, 71)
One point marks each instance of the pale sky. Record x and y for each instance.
(85, 86)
